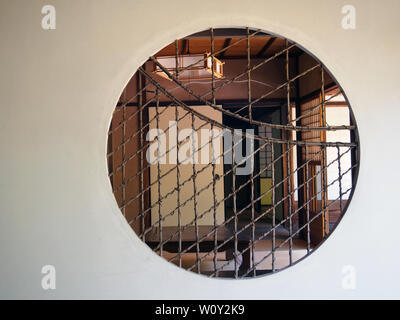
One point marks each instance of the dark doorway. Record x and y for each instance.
(263, 178)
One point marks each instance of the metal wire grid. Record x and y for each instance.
(311, 126)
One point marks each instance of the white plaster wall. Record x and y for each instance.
(58, 89)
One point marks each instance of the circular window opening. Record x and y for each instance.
(233, 153)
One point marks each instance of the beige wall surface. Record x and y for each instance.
(58, 89)
(203, 169)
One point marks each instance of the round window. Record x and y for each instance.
(233, 153)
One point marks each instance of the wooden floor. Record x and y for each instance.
(262, 248)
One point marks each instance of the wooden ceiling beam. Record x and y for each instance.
(227, 42)
(225, 33)
(266, 47)
(185, 46)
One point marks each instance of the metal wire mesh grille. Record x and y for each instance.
(232, 187)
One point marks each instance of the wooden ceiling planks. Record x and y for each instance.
(236, 48)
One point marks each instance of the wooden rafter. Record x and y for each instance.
(266, 47)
